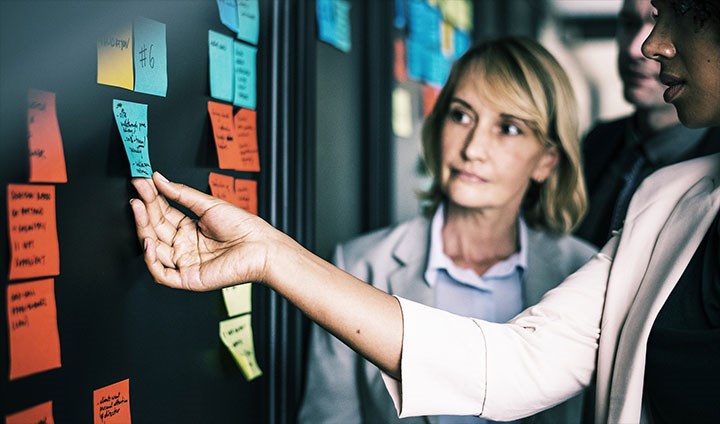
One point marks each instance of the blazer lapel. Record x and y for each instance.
(408, 280)
(676, 244)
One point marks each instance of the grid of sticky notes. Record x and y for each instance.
(232, 64)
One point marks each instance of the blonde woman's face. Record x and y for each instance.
(489, 156)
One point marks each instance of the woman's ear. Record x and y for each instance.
(546, 165)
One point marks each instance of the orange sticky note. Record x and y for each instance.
(400, 68)
(47, 159)
(430, 95)
(34, 250)
(39, 414)
(246, 136)
(222, 186)
(246, 195)
(221, 118)
(112, 403)
(32, 328)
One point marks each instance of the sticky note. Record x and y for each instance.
(221, 120)
(400, 67)
(245, 123)
(112, 403)
(248, 20)
(115, 58)
(150, 52)
(402, 113)
(244, 61)
(333, 19)
(34, 249)
(246, 195)
(220, 52)
(430, 95)
(462, 42)
(227, 9)
(32, 328)
(447, 39)
(459, 13)
(47, 158)
(417, 57)
(236, 334)
(38, 414)
(238, 299)
(131, 119)
(222, 187)
(424, 24)
(400, 21)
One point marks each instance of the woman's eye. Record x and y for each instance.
(510, 129)
(459, 116)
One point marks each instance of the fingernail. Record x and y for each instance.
(131, 200)
(162, 177)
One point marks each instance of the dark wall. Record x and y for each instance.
(114, 322)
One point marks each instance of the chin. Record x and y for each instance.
(694, 118)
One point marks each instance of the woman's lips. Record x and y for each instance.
(675, 87)
(468, 176)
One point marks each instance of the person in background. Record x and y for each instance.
(619, 154)
(507, 189)
(642, 314)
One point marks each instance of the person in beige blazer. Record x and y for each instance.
(598, 320)
(505, 194)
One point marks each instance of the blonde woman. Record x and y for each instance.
(507, 189)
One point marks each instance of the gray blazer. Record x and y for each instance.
(341, 387)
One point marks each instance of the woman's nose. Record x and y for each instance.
(658, 45)
(476, 145)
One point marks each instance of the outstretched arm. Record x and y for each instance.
(226, 245)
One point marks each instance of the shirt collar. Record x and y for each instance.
(668, 146)
(438, 260)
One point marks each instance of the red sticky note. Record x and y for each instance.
(47, 159)
(222, 186)
(34, 250)
(400, 67)
(246, 136)
(430, 95)
(39, 414)
(246, 195)
(112, 403)
(221, 118)
(32, 328)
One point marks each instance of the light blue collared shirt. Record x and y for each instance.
(495, 296)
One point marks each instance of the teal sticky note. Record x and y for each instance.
(227, 10)
(220, 50)
(244, 61)
(248, 18)
(131, 119)
(150, 57)
(342, 25)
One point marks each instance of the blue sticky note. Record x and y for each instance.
(438, 69)
(227, 9)
(462, 42)
(220, 51)
(343, 34)
(424, 23)
(416, 58)
(399, 20)
(244, 66)
(150, 53)
(248, 18)
(325, 20)
(131, 119)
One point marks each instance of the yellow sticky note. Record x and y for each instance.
(115, 58)
(238, 299)
(402, 113)
(236, 334)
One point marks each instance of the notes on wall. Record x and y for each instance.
(47, 158)
(220, 52)
(235, 137)
(333, 20)
(244, 61)
(38, 414)
(112, 403)
(236, 333)
(34, 250)
(227, 9)
(402, 112)
(32, 328)
(248, 20)
(239, 192)
(134, 57)
(238, 299)
(245, 126)
(150, 53)
(115, 58)
(131, 120)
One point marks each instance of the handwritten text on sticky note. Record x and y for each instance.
(32, 328)
(38, 414)
(236, 334)
(112, 403)
(131, 119)
(47, 159)
(115, 58)
(34, 249)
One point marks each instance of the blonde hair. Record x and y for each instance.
(518, 76)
